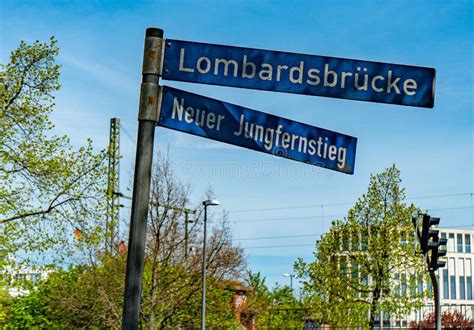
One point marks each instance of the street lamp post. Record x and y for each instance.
(291, 280)
(206, 203)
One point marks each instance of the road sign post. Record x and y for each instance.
(147, 118)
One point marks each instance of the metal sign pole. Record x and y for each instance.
(147, 119)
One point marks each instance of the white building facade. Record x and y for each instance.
(455, 281)
(18, 275)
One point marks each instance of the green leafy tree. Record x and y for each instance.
(91, 295)
(272, 309)
(28, 312)
(82, 296)
(285, 309)
(4, 303)
(47, 187)
(367, 263)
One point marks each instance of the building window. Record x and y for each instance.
(445, 284)
(451, 243)
(355, 272)
(343, 267)
(462, 288)
(452, 279)
(467, 239)
(365, 241)
(355, 241)
(459, 243)
(364, 283)
(397, 284)
(404, 239)
(20, 277)
(469, 287)
(413, 285)
(404, 284)
(346, 241)
(36, 277)
(386, 320)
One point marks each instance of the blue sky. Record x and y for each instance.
(101, 52)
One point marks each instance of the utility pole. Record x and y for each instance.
(185, 235)
(291, 280)
(186, 230)
(186, 219)
(150, 95)
(113, 185)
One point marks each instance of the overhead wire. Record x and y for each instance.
(335, 215)
(128, 134)
(289, 218)
(342, 203)
(277, 246)
(329, 216)
(274, 237)
(303, 245)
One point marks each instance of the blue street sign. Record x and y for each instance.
(230, 123)
(299, 73)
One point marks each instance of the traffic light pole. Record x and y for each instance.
(436, 293)
(430, 241)
(147, 118)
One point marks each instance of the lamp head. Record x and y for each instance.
(211, 202)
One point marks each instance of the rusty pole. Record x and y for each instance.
(150, 99)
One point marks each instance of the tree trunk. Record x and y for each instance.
(152, 301)
(373, 307)
(154, 276)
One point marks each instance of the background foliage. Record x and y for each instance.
(367, 263)
(48, 188)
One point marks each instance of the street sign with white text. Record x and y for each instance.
(229, 123)
(299, 73)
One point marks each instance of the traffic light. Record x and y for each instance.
(430, 240)
(436, 253)
(429, 237)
